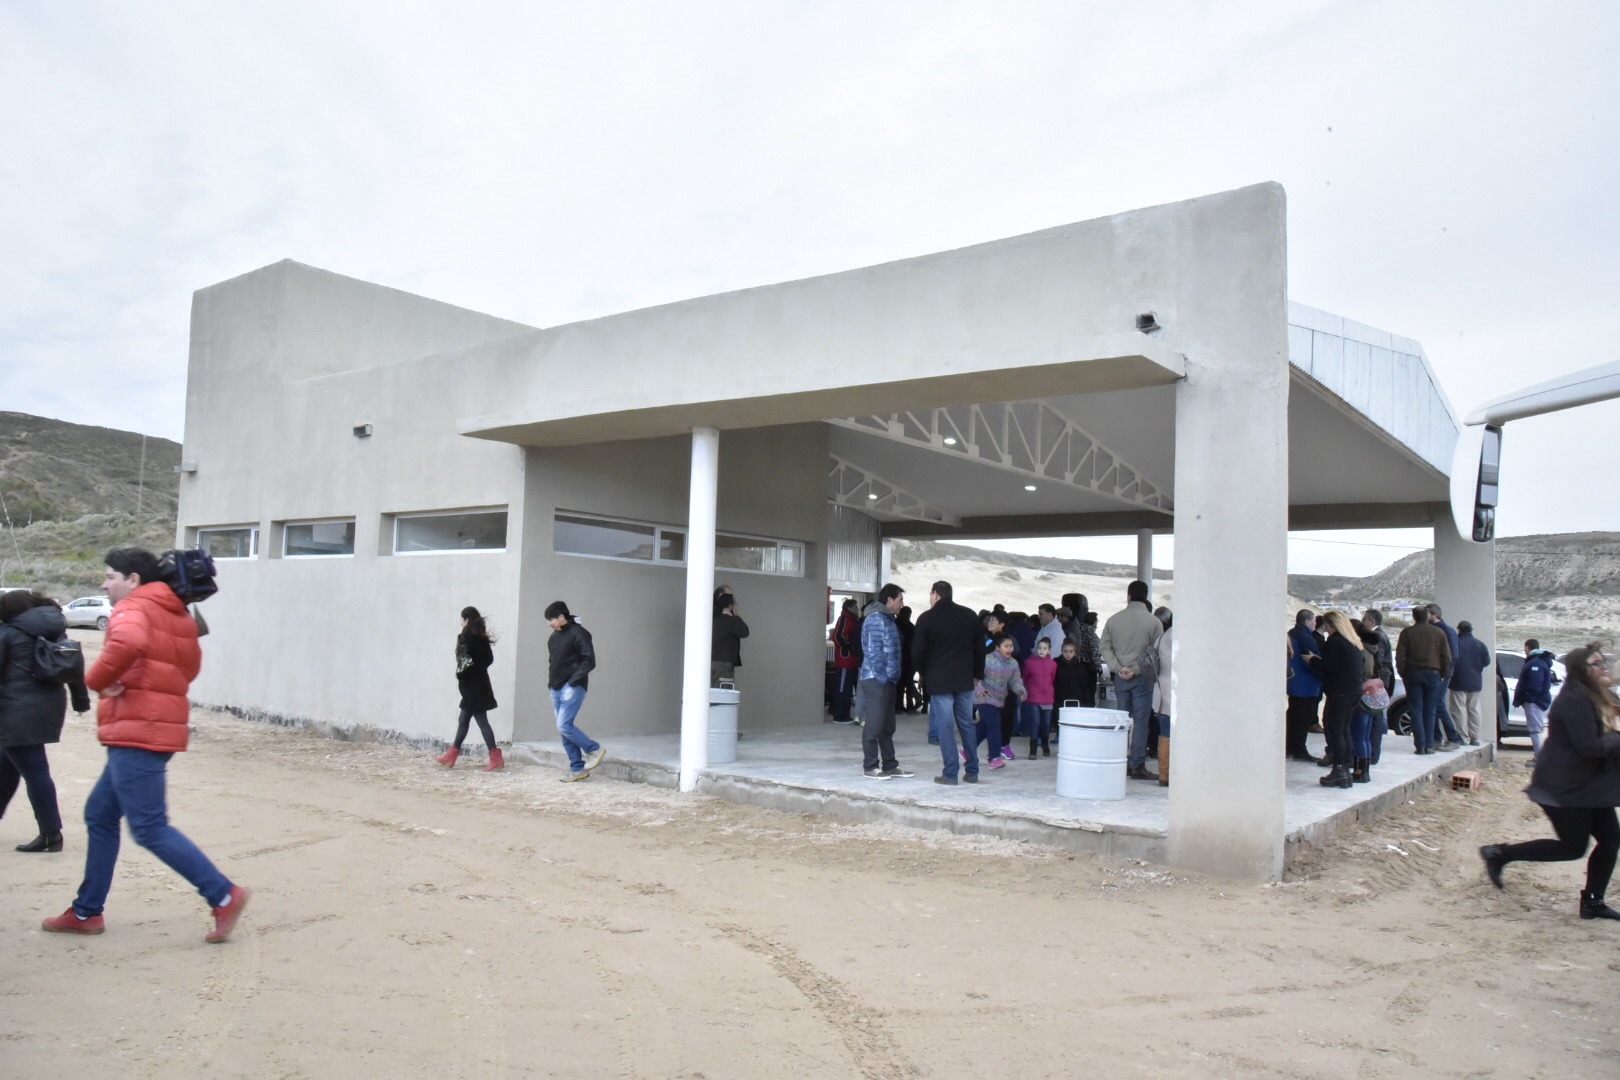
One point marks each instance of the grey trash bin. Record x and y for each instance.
(1092, 752)
(723, 703)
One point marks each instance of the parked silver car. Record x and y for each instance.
(89, 611)
(1510, 722)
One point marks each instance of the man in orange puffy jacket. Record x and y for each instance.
(146, 666)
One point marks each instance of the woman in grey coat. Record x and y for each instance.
(32, 711)
(1576, 782)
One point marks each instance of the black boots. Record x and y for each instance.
(1340, 777)
(43, 842)
(1363, 771)
(1593, 907)
(1495, 858)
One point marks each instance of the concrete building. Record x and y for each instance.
(375, 460)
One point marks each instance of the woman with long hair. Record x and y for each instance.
(1339, 668)
(32, 711)
(473, 659)
(1576, 781)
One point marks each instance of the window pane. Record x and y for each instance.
(791, 558)
(451, 532)
(741, 553)
(320, 538)
(227, 543)
(607, 539)
(671, 546)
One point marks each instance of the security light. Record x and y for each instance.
(1147, 322)
(186, 467)
(362, 431)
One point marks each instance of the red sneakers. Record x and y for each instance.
(69, 923)
(224, 917)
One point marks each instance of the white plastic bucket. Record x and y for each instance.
(1092, 749)
(723, 703)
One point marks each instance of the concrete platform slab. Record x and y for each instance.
(818, 770)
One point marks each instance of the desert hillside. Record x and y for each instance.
(69, 492)
(51, 470)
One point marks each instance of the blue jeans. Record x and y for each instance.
(133, 787)
(1361, 723)
(1135, 696)
(1164, 724)
(988, 731)
(1424, 689)
(950, 716)
(566, 704)
(1036, 722)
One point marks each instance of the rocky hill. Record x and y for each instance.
(70, 492)
(1527, 568)
(51, 470)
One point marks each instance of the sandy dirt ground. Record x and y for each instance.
(411, 921)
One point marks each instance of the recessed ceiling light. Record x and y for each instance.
(871, 494)
(949, 441)
(1029, 487)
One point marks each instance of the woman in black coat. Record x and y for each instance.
(1339, 668)
(473, 659)
(1576, 782)
(32, 711)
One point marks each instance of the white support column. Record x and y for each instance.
(885, 563)
(1227, 789)
(1465, 589)
(700, 521)
(1144, 559)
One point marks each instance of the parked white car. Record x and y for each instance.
(89, 611)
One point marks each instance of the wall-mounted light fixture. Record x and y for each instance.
(362, 431)
(186, 467)
(1147, 322)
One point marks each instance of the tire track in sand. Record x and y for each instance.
(868, 1041)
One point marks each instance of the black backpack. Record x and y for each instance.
(59, 662)
(189, 573)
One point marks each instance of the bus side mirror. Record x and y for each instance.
(1476, 467)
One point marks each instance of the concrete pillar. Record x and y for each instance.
(1231, 528)
(1465, 588)
(885, 563)
(1144, 559)
(700, 524)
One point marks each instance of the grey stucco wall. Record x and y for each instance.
(351, 643)
(772, 483)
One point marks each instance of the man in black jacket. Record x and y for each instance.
(572, 660)
(945, 650)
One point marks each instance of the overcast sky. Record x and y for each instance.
(1452, 170)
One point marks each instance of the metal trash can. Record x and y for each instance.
(1092, 752)
(723, 703)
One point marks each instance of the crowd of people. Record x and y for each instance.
(987, 679)
(992, 678)
(1346, 670)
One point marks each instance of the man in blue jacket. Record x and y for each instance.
(1304, 687)
(1533, 692)
(1454, 740)
(1468, 679)
(880, 671)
